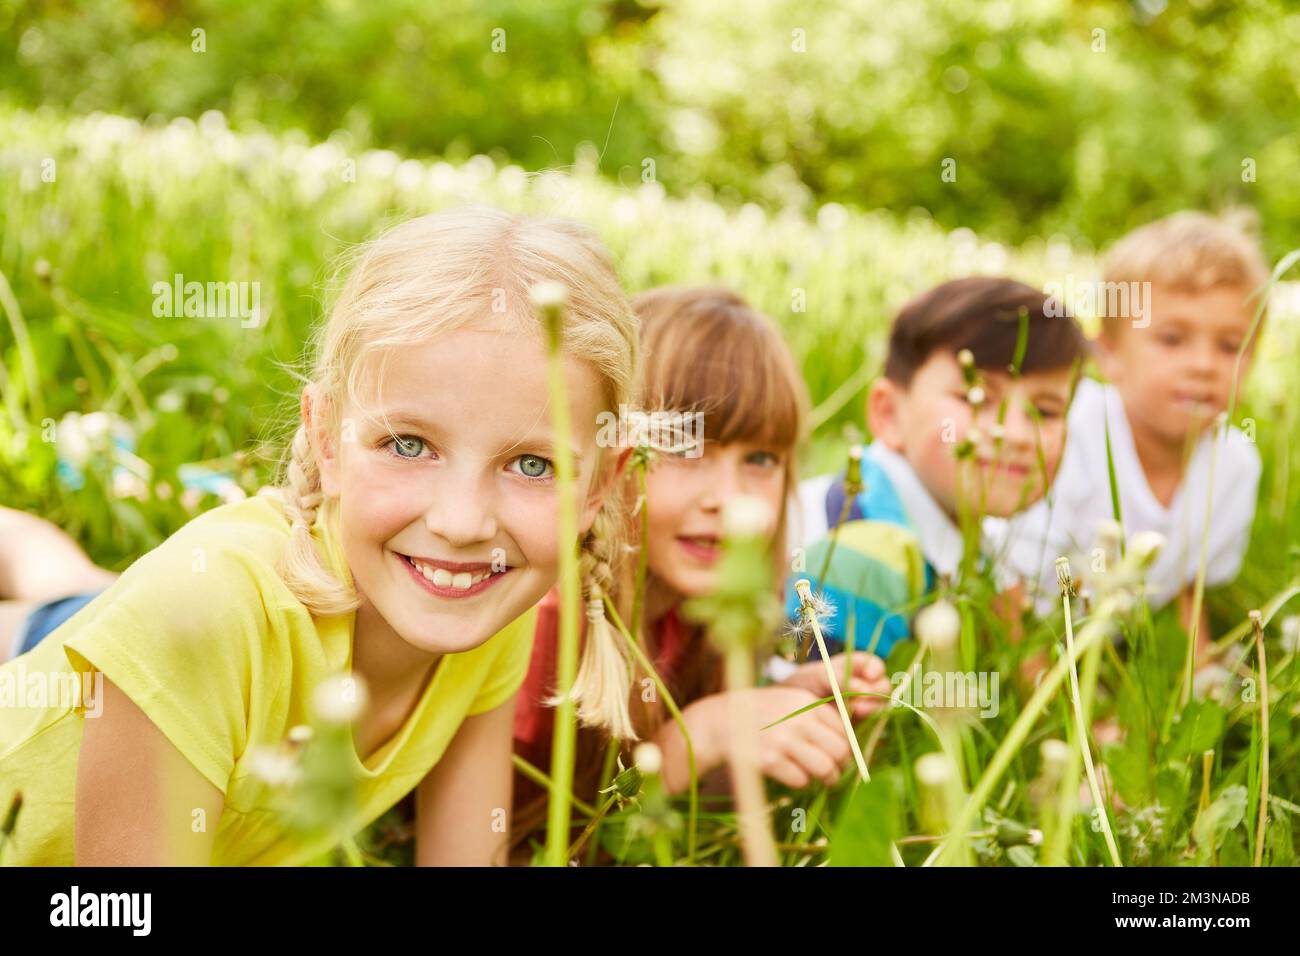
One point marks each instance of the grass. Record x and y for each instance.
(133, 205)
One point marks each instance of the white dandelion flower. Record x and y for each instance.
(746, 517)
(340, 699)
(648, 758)
(938, 626)
(1064, 579)
(274, 767)
(1145, 545)
(549, 295)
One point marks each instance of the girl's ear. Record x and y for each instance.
(315, 419)
(603, 482)
(884, 402)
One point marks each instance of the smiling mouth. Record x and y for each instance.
(1008, 467)
(701, 547)
(452, 579)
(1189, 403)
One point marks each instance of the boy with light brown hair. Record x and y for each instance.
(1171, 361)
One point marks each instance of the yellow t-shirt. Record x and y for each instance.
(206, 639)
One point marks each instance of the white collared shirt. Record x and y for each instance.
(1081, 502)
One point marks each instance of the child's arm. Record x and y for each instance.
(462, 807)
(39, 562)
(139, 801)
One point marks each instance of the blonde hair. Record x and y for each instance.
(1190, 251)
(433, 274)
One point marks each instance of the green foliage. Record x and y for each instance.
(1083, 118)
(869, 822)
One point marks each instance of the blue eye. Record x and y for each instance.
(534, 466)
(764, 459)
(406, 446)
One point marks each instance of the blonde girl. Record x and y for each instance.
(703, 350)
(414, 531)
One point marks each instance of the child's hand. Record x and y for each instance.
(812, 746)
(868, 677)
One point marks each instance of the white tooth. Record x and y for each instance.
(461, 581)
(477, 579)
(426, 571)
(441, 577)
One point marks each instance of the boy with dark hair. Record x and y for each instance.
(968, 418)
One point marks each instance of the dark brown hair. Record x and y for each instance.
(982, 314)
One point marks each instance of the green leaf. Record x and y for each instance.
(1197, 728)
(1220, 817)
(1130, 768)
(1280, 848)
(869, 824)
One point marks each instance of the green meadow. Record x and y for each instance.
(159, 410)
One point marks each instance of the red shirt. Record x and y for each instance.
(534, 721)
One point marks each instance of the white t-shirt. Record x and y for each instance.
(1080, 502)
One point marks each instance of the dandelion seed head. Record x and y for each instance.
(933, 770)
(1054, 753)
(1064, 579)
(648, 758)
(300, 734)
(938, 626)
(340, 699)
(746, 516)
(274, 767)
(1109, 535)
(1145, 545)
(1291, 634)
(549, 295)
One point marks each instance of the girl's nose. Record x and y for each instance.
(463, 508)
(720, 482)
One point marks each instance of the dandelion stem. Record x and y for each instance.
(805, 599)
(1081, 722)
(806, 646)
(590, 828)
(606, 778)
(643, 553)
(542, 780)
(1198, 589)
(1263, 727)
(751, 810)
(562, 748)
(1095, 630)
(1207, 764)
